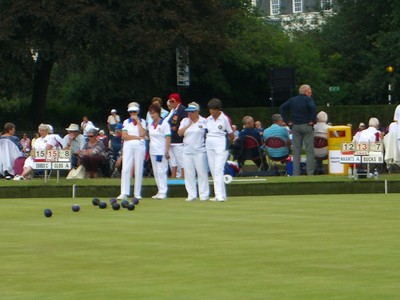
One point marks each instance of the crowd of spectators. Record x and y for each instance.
(178, 139)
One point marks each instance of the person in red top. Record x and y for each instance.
(177, 114)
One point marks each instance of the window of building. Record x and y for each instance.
(275, 7)
(326, 4)
(297, 6)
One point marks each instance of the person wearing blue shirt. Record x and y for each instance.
(278, 129)
(300, 112)
(250, 130)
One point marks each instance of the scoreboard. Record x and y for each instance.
(52, 159)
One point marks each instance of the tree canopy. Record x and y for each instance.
(357, 45)
(62, 59)
(120, 49)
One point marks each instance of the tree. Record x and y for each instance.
(358, 43)
(135, 39)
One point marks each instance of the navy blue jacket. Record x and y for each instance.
(302, 110)
(175, 121)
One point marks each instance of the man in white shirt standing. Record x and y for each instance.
(112, 121)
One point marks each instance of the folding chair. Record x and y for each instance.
(252, 151)
(320, 153)
(276, 162)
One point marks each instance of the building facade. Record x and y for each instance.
(291, 7)
(297, 14)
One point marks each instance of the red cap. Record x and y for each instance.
(175, 97)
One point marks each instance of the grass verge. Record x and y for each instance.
(277, 247)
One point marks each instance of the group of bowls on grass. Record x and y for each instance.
(102, 205)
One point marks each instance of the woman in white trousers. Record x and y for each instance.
(133, 153)
(193, 129)
(160, 139)
(219, 136)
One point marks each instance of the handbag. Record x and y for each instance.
(78, 173)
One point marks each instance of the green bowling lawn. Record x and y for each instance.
(276, 247)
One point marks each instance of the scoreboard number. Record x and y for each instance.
(64, 155)
(348, 147)
(52, 155)
(362, 147)
(40, 154)
(376, 147)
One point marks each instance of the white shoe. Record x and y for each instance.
(161, 196)
(190, 199)
(122, 197)
(18, 177)
(204, 199)
(216, 199)
(155, 196)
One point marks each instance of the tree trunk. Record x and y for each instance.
(41, 80)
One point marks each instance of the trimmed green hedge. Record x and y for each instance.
(249, 189)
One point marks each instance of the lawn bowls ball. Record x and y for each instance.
(102, 204)
(130, 206)
(75, 208)
(116, 206)
(95, 201)
(113, 200)
(48, 213)
(135, 201)
(124, 203)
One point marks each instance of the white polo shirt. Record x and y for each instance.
(113, 119)
(133, 129)
(194, 136)
(157, 136)
(217, 132)
(41, 143)
(367, 135)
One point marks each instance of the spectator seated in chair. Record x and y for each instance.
(93, 154)
(277, 140)
(25, 143)
(44, 142)
(116, 141)
(74, 141)
(10, 150)
(371, 134)
(248, 145)
(321, 141)
(102, 137)
(9, 134)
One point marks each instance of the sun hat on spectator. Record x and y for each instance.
(73, 127)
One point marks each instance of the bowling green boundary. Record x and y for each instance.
(240, 186)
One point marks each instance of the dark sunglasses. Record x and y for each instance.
(90, 135)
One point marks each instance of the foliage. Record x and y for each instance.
(129, 42)
(357, 45)
(94, 55)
